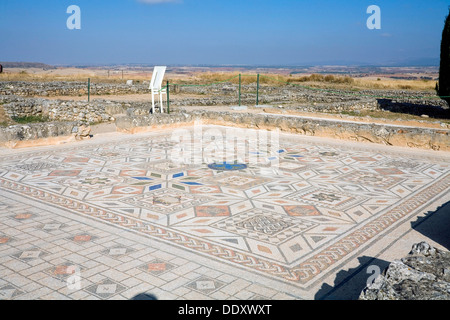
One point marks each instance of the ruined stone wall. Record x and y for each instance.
(59, 110)
(63, 88)
(434, 139)
(36, 134)
(301, 98)
(135, 116)
(132, 121)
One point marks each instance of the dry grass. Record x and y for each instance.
(314, 80)
(73, 75)
(269, 79)
(420, 85)
(48, 77)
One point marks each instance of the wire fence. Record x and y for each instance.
(259, 77)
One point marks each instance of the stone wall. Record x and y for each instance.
(132, 121)
(434, 139)
(301, 98)
(59, 110)
(36, 134)
(65, 88)
(134, 116)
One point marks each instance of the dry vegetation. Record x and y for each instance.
(313, 80)
(72, 75)
(317, 81)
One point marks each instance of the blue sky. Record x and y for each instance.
(251, 32)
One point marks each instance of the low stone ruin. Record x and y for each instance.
(18, 100)
(67, 88)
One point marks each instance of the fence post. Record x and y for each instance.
(257, 89)
(89, 89)
(239, 89)
(168, 100)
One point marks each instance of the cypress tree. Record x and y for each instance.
(443, 87)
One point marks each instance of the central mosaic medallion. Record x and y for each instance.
(227, 166)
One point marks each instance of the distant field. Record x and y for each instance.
(182, 76)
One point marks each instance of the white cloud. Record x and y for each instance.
(159, 1)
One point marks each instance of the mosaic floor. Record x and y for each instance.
(297, 212)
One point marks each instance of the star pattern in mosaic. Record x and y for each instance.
(205, 285)
(291, 220)
(157, 267)
(105, 289)
(9, 291)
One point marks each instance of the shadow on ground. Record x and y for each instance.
(417, 109)
(435, 225)
(348, 284)
(144, 296)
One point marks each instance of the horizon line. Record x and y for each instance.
(237, 65)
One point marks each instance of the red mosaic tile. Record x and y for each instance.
(76, 159)
(63, 270)
(82, 238)
(301, 210)
(23, 216)
(64, 173)
(212, 211)
(4, 240)
(156, 267)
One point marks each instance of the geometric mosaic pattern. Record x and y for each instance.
(291, 222)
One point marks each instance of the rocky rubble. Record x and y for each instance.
(303, 98)
(424, 274)
(227, 94)
(36, 131)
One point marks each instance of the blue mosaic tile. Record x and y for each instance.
(227, 166)
(177, 175)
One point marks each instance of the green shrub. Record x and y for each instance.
(443, 87)
(29, 119)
